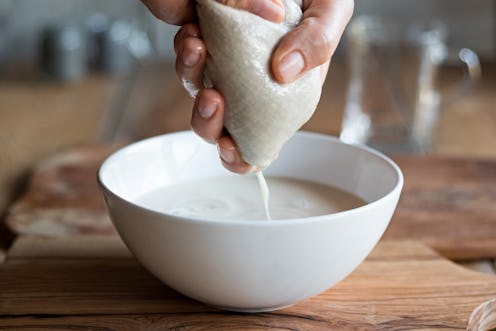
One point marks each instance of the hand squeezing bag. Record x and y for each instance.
(261, 114)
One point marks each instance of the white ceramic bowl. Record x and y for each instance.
(250, 265)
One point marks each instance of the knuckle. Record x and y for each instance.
(321, 45)
(186, 31)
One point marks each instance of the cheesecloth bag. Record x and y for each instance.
(261, 114)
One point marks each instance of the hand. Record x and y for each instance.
(311, 44)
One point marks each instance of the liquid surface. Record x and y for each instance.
(239, 198)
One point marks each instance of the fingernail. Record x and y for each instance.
(291, 66)
(206, 109)
(191, 58)
(227, 155)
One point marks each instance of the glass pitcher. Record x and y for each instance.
(393, 102)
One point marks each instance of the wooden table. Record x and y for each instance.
(68, 270)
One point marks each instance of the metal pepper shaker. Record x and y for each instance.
(112, 48)
(63, 53)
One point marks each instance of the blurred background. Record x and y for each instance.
(90, 72)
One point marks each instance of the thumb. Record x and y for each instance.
(272, 10)
(313, 41)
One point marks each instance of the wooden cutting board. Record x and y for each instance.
(92, 282)
(449, 204)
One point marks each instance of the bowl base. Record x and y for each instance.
(251, 310)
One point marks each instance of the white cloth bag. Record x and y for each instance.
(261, 114)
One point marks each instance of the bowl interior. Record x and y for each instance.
(170, 159)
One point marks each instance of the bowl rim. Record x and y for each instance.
(279, 222)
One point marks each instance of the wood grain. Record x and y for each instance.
(401, 286)
(74, 247)
(62, 196)
(447, 203)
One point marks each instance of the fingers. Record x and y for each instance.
(231, 158)
(208, 122)
(272, 10)
(313, 41)
(208, 112)
(188, 30)
(176, 12)
(207, 119)
(191, 55)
